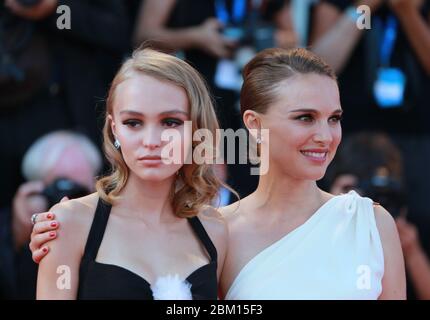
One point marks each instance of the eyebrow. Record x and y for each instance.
(136, 113)
(314, 111)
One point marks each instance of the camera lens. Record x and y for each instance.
(64, 187)
(28, 3)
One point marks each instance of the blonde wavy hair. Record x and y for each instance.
(199, 185)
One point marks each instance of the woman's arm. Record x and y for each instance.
(419, 270)
(152, 18)
(416, 28)
(285, 35)
(416, 260)
(58, 275)
(151, 26)
(394, 280)
(335, 34)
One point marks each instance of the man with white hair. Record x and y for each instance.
(64, 155)
(60, 154)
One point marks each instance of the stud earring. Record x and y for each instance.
(117, 144)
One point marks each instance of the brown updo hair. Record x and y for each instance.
(262, 75)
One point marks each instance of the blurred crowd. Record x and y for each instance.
(53, 84)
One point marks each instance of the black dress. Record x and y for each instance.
(106, 281)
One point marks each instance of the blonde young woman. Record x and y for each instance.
(147, 232)
(289, 239)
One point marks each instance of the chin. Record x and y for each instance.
(154, 175)
(314, 175)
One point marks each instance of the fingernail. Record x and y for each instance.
(53, 224)
(49, 216)
(45, 250)
(52, 234)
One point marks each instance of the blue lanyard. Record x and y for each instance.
(239, 9)
(388, 40)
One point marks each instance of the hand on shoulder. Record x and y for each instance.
(75, 212)
(74, 218)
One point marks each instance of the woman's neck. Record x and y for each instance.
(279, 194)
(148, 200)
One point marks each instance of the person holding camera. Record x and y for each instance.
(371, 164)
(64, 155)
(210, 31)
(59, 164)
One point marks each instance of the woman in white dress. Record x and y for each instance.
(289, 239)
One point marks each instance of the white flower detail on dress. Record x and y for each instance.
(171, 288)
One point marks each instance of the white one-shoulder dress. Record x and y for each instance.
(336, 254)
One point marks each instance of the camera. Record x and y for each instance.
(386, 191)
(29, 3)
(63, 187)
(259, 35)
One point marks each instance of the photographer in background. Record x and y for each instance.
(210, 31)
(59, 164)
(372, 165)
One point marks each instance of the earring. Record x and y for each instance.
(258, 140)
(117, 144)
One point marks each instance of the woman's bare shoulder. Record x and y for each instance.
(75, 219)
(385, 223)
(77, 213)
(394, 280)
